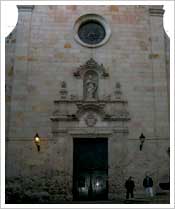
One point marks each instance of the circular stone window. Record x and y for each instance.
(91, 30)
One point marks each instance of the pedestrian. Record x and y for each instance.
(148, 185)
(129, 185)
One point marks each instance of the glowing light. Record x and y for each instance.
(97, 184)
(37, 139)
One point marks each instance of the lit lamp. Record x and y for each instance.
(37, 141)
(142, 139)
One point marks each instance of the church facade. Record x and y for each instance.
(87, 102)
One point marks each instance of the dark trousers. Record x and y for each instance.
(129, 192)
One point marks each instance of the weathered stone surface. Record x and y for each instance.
(36, 190)
(114, 8)
(132, 97)
(67, 45)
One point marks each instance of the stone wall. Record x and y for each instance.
(134, 53)
(47, 188)
(9, 66)
(44, 55)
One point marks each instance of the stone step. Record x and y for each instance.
(141, 198)
(137, 201)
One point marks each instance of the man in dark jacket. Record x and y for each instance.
(129, 185)
(148, 184)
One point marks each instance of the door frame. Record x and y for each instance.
(81, 138)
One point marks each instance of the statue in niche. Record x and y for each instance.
(63, 84)
(90, 86)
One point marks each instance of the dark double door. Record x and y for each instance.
(90, 169)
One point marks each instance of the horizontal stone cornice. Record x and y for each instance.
(64, 118)
(92, 130)
(90, 101)
(156, 10)
(74, 131)
(151, 138)
(25, 8)
(118, 116)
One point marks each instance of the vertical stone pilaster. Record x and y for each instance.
(167, 61)
(157, 58)
(9, 66)
(117, 162)
(19, 93)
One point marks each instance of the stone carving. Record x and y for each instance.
(56, 113)
(93, 106)
(90, 107)
(63, 91)
(63, 84)
(91, 64)
(121, 115)
(107, 97)
(118, 91)
(73, 97)
(90, 87)
(91, 119)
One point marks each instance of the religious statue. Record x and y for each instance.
(63, 84)
(91, 87)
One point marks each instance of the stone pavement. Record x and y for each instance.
(140, 199)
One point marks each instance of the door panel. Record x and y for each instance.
(90, 169)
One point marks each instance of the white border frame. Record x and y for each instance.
(171, 205)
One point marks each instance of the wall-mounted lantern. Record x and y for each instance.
(142, 139)
(37, 141)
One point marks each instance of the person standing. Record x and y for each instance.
(129, 185)
(148, 184)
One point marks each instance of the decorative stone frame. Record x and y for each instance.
(91, 65)
(92, 17)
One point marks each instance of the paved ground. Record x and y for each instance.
(159, 199)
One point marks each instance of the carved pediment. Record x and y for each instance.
(91, 64)
(99, 108)
(86, 107)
